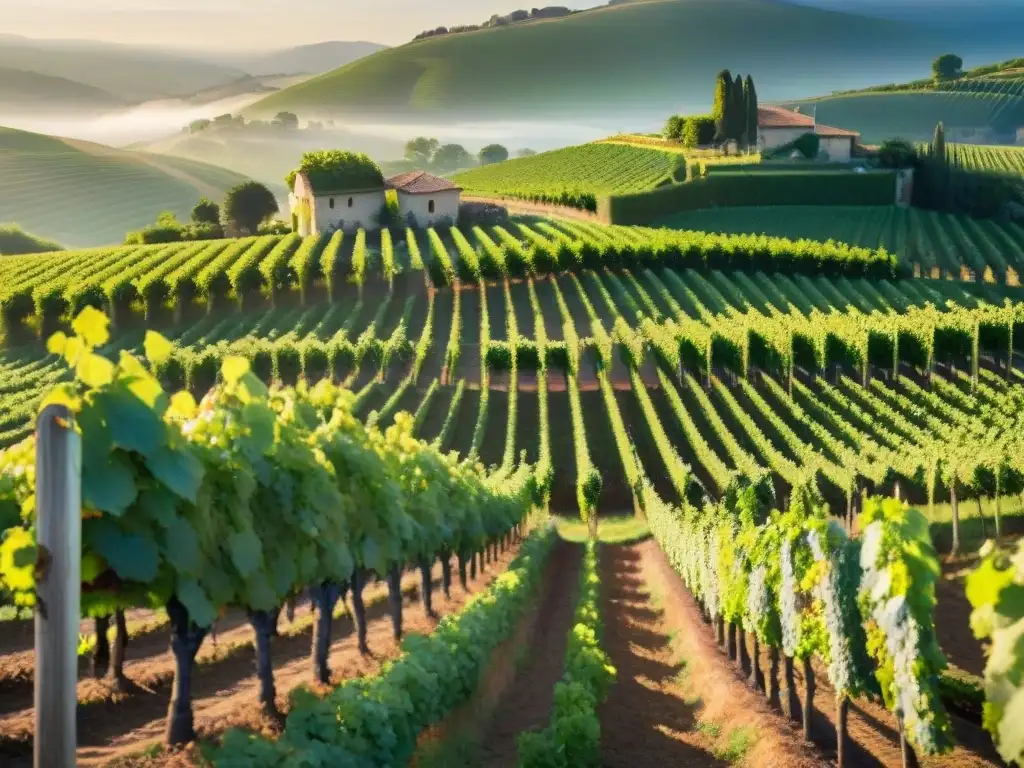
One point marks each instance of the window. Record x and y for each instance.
(330, 202)
(430, 207)
(350, 202)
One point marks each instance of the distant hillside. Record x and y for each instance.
(128, 73)
(654, 57)
(14, 240)
(266, 155)
(985, 106)
(84, 194)
(305, 59)
(244, 85)
(21, 90)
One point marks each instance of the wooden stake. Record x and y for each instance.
(59, 585)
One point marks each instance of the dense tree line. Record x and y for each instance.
(733, 116)
(735, 109)
(498, 20)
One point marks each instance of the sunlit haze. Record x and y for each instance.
(242, 24)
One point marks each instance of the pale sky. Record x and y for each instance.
(247, 24)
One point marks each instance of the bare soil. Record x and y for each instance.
(658, 644)
(526, 704)
(874, 738)
(953, 617)
(225, 688)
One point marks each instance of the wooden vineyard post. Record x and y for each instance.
(58, 588)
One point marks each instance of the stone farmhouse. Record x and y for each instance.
(426, 198)
(319, 203)
(777, 127)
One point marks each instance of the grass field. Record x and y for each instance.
(917, 237)
(914, 115)
(634, 61)
(83, 194)
(568, 175)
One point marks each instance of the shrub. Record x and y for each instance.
(341, 170)
(275, 227)
(699, 131)
(897, 153)
(674, 127)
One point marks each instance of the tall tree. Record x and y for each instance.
(750, 98)
(739, 111)
(939, 144)
(722, 109)
(948, 66)
(939, 168)
(247, 206)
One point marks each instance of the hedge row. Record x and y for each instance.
(752, 188)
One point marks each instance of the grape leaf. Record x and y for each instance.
(91, 326)
(108, 486)
(234, 368)
(94, 371)
(246, 551)
(1011, 728)
(133, 556)
(17, 559)
(178, 470)
(200, 610)
(56, 343)
(133, 425)
(157, 348)
(182, 545)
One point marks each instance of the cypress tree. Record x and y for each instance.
(750, 96)
(940, 170)
(722, 109)
(939, 144)
(739, 111)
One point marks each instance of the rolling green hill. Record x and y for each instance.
(14, 240)
(654, 56)
(84, 194)
(576, 175)
(913, 115)
(985, 105)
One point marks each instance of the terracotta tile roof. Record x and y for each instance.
(420, 183)
(829, 132)
(777, 117)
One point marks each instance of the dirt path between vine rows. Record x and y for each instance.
(674, 702)
(728, 699)
(526, 704)
(225, 688)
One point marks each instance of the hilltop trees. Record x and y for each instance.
(948, 66)
(451, 157)
(247, 206)
(493, 153)
(421, 150)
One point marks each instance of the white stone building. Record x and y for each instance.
(427, 199)
(777, 127)
(319, 204)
